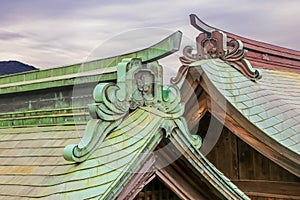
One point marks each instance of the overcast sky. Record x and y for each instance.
(61, 32)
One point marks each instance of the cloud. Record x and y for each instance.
(54, 33)
(7, 35)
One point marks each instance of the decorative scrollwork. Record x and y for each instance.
(187, 58)
(180, 74)
(213, 44)
(137, 85)
(236, 58)
(107, 113)
(172, 104)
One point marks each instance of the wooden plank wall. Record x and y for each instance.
(256, 175)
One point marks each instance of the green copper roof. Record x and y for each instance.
(92, 71)
(35, 166)
(129, 119)
(32, 166)
(271, 104)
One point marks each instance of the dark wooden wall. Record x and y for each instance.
(156, 190)
(255, 174)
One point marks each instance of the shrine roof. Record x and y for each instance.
(262, 94)
(91, 71)
(271, 103)
(32, 165)
(32, 161)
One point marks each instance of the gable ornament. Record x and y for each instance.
(138, 85)
(213, 44)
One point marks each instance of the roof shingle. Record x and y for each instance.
(272, 104)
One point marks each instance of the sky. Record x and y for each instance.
(54, 33)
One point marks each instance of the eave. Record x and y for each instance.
(171, 150)
(87, 72)
(223, 109)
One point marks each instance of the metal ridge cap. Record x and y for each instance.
(165, 47)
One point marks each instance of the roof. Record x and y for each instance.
(47, 174)
(131, 122)
(130, 119)
(12, 67)
(91, 71)
(32, 165)
(261, 106)
(270, 104)
(268, 56)
(36, 168)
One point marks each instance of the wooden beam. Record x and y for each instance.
(195, 111)
(138, 181)
(271, 189)
(188, 87)
(178, 184)
(177, 178)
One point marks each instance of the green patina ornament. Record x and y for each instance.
(139, 85)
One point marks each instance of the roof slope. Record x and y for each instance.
(32, 165)
(91, 71)
(32, 161)
(264, 113)
(270, 104)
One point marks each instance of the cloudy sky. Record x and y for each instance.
(61, 32)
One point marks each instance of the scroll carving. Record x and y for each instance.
(212, 44)
(236, 58)
(137, 85)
